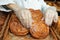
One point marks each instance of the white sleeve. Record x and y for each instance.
(3, 9)
(5, 2)
(44, 5)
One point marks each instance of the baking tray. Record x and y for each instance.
(54, 27)
(4, 24)
(10, 36)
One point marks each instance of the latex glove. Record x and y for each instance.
(24, 16)
(50, 16)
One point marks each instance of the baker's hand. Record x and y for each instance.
(50, 16)
(24, 16)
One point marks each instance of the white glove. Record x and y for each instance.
(24, 16)
(50, 16)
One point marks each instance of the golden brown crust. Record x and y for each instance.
(16, 27)
(36, 15)
(39, 29)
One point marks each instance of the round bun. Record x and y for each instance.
(16, 27)
(39, 29)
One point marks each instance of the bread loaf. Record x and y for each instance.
(16, 27)
(39, 29)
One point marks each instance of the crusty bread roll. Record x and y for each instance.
(16, 27)
(39, 29)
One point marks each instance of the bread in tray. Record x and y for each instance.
(38, 29)
(16, 27)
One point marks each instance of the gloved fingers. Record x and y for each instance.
(23, 15)
(56, 17)
(26, 18)
(49, 17)
(48, 20)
